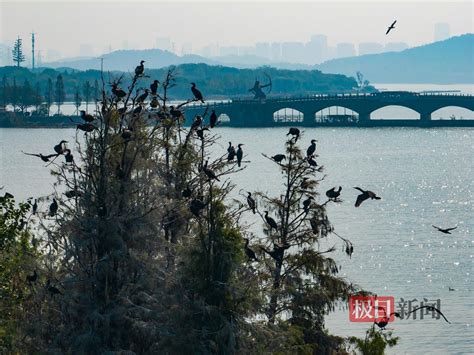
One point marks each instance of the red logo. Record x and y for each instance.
(371, 308)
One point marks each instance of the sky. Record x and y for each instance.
(65, 25)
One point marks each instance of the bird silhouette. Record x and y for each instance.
(392, 26)
(333, 193)
(251, 202)
(213, 119)
(197, 94)
(230, 152)
(277, 252)
(154, 87)
(451, 289)
(249, 252)
(118, 92)
(45, 158)
(209, 173)
(200, 132)
(68, 156)
(312, 148)
(311, 161)
(294, 132)
(140, 69)
(270, 221)
(187, 192)
(445, 230)
(175, 113)
(86, 127)
(32, 278)
(59, 148)
(142, 97)
(52, 289)
(383, 322)
(366, 194)
(239, 154)
(278, 158)
(53, 208)
(197, 122)
(430, 308)
(86, 117)
(196, 206)
(35, 207)
(73, 193)
(307, 204)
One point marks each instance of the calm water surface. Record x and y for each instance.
(425, 177)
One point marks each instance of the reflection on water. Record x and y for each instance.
(424, 176)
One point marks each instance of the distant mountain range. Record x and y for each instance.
(449, 61)
(444, 62)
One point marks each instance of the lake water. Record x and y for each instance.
(424, 176)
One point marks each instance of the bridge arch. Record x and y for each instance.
(336, 114)
(453, 113)
(223, 118)
(288, 114)
(391, 112)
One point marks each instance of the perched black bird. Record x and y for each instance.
(277, 252)
(32, 278)
(270, 221)
(251, 202)
(197, 94)
(239, 154)
(196, 206)
(142, 97)
(118, 92)
(249, 252)
(200, 132)
(366, 194)
(445, 230)
(140, 69)
(349, 249)
(44, 158)
(187, 192)
(451, 289)
(52, 289)
(430, 308)
(35, 207)
(154, 102)
(209, 173)
(295, 132)
(278, 157)
(122, 110)
(86, 117)
(333, 193)
(230, 152)
(392, 26)
(154, 87)
(305, 183)
(213, 119)
(68, 156)
(197, 122)
(312, 148)
(137, 110)
(53, 208)
(126, 134)
(59, 148)
(307, 204)
(86, 127)
(73, 193)
(175, 113)
(311, 161)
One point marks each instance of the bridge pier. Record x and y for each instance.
(425, 118)
(364, 119)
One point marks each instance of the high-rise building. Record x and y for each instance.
(163, 43)
(316, 49)
(293, 52)
(370, 48)
(441, 31)
(395, 46)
(345, 50)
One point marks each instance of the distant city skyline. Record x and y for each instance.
(272, 30)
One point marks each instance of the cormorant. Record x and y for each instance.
(209, 173)
(35, 207)
(68, 156)
(230, 152)
(154, 102)
(349, 249)
(311, 161)
(366, 194)
(445, 230)
(392, 26)
(270, 221)
(187, 192)
(59, 148)
(249, 252)
(122, 110)
(118, 92)
(251, 202)
(305, 183)
(295, 132)
(430, 308)
(44, 158)
(142, 97)
(278, 157)
(213, 119)
(451, 289)
(332, 193)
(197, 94)
(86, 117)
(137, 110)
(307, 204)
(200, 132)
(73, 193)
(277, 252)
(154, 87)
(197, 122)
(175, 113)
(312, 148)
(52, 289)
(53, 208)
(196, 206)
(32, 278)
(126, 134)
(86, 127)
(140, 69)
(239, 154)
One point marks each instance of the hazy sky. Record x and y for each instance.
(65, 25)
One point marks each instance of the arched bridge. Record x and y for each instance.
(256, 113)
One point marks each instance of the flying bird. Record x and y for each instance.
(445, 230)
(44, 158)
(366, 194)
(430, 308)
(197, 94)
(392, 26)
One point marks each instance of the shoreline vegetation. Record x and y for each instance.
(139, 250)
